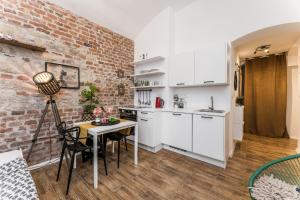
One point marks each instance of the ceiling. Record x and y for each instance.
(280, 37)
(126, 17)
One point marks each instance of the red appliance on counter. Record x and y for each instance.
(159, 102)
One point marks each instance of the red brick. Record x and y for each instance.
(22, 112)
(5, 130)
(6, 76)
(22, 93)
(32, 111)
(2, 114)
(23, 78)
(30, 122)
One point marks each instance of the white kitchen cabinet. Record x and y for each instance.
(209, 136)
(177, 130)
(149, 133)
(182, 69)
(146, 132)
(211, 65)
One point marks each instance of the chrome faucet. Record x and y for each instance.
(211, 107)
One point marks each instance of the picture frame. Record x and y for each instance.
(120, 73)
(67, 75)
(121, 89)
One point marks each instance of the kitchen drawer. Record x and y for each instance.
(145, 114)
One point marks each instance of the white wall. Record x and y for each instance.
(204, 22)
(156, 40)
(293, 92)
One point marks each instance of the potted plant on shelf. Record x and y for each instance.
(89, 100)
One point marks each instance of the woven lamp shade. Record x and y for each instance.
(46, 83)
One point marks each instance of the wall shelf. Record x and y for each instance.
(199, 85)
(17, 43)
(149, 60)
(148, 74)
(148, 87)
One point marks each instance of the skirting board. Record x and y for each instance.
(231, 152)
(153, 150)
(147, 148)
(52, 161)
(43, 164)
(186, 153)
(198, 157)
(298, 146)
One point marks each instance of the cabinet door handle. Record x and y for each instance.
(145, 113)
(208, 81)
(145, 120)
(177, 114)
(180, 84)
(207, 117)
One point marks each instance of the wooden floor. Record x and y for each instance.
(166, 175)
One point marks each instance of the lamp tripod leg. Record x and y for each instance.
(38, 130)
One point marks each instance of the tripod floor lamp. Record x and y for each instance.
(47, 85)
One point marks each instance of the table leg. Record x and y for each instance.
(75, 162)
(95, 162)
(136, 137)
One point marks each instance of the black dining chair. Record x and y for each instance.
(117, 137)
(71, 142)
(89, 142)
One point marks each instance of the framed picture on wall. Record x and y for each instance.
(68, 76)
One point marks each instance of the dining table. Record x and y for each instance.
(96, 131)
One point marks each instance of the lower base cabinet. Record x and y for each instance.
(201, 134)
(149, 129)
(208, 136)
(177, 130)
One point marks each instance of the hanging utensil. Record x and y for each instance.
(139, 97)
(149, 98)
(143, 98)
(146, 98)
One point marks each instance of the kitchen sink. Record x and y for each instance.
(210, 110)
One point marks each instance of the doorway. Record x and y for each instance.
(284, 41)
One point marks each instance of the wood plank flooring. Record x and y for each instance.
(165, 175)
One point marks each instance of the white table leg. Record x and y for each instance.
(95, 162)
(113, 146)
(136, 137)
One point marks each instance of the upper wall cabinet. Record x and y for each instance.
(211, 65)
(182, 69)
(202, 67)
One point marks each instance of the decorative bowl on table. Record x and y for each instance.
(106, 122)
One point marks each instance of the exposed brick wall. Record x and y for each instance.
(69, 39)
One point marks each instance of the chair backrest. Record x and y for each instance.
(70, 135)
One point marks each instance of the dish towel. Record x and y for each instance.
(86, 126)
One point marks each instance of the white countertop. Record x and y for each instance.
(178, 110)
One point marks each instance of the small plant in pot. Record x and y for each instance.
(89, 100)
(97, 113)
